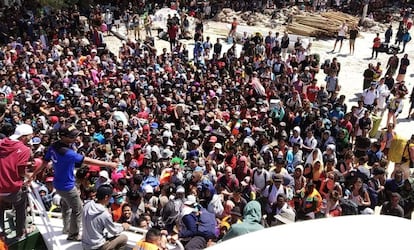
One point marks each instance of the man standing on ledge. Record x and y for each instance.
(14, 156)
(64, 160)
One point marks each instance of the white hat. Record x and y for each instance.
(93, 51)
(246, 181)
(195, 127)
(148, 189)
(297, 129)
(286, 216)
(218, 146)
(191, 200)
(167, 134)
(104, 174)
(299, 167)
(180, 189)
(22, 129)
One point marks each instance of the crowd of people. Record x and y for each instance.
(198, 150)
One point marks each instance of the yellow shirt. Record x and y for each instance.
(143, 245)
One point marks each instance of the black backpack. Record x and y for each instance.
(348, 207)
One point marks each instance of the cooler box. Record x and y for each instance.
(376, 122)
(397, 149)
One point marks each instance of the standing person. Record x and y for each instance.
(392, 65)
(148, 25)
(172, 34)
(395, 107)
(411, 104)
(64, 160)
(14, 156)
(343, 29)
(375, 46)
(388, 34)
(353, 33)
(233, 27)
(96, 218)
(126, 18)
(284, 44)
(399, 35)
(108, 19)
(404, 63)
(217, 47)
(137, 26)
(405, 39)
(368, 76)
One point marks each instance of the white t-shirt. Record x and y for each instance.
(342, 31)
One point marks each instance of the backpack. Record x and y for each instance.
(265, 175)
(286, 189)
(348, 207)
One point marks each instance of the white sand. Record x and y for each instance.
(352, 67)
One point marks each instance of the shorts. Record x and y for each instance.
(351, 41)
(340, 38)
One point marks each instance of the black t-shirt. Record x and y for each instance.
(353, 34)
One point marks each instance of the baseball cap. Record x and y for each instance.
(21, 130)
(180, 189)
(36, 140)
(104, 174)
(148, 189)
(213, 139)
(69, 131)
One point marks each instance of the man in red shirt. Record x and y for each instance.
(172, 34)
(375, 47)
(14, 156)
(312, 91)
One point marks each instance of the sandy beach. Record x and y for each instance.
(352, 66)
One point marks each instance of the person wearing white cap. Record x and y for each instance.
(296, 138)
(215, 152)
(103, 179)
(150, 200)
(64, 159)
(14, 157)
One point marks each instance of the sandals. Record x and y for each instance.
(74, 238)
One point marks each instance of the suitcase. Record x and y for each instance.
(376, 122)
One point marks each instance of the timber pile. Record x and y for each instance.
(320, 25)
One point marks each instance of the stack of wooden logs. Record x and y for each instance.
(320, 25)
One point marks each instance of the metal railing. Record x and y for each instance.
(38, 209)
